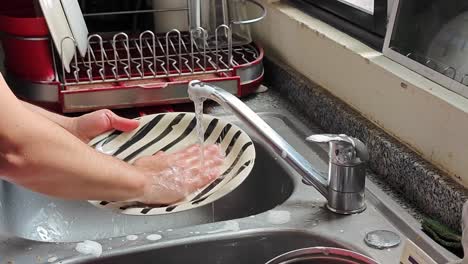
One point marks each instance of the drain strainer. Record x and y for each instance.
(382, 239)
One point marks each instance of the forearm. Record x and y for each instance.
(42, 156)
(60, 120)
(45, 158)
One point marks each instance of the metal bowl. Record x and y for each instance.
(321, 255)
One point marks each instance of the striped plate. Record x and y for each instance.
(173, 131)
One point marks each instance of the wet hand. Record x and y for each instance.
(171, 177)
(87, 127)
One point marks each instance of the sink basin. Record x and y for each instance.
(250, 247)
(36, 217)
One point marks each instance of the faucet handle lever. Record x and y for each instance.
(327, 138)
(358, 147)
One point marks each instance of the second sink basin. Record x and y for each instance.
(254, 247)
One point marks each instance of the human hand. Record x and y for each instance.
(171, 177)
(88, 126)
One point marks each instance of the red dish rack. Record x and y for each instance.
(120, 70)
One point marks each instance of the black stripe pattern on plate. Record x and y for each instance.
(140, 134)
(187, 132)
(199, 197)
(220, 179)
(166, 132)
(215, 183)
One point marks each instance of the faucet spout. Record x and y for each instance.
(231, 103)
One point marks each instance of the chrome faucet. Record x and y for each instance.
(345, 185)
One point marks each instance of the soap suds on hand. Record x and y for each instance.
(89, 247)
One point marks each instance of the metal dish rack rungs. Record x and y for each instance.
(149, 55)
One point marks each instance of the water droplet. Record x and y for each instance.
(169, 230)
(341, 231)
(154, 237)
(132, 237)
(284, 154)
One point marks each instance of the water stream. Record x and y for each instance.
(198, 102)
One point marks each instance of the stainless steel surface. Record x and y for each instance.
(347, 172)
(298, 221)
(322, 255)
(346, 203)
(344, 150)
(134, 95)
(252, 72)
(345, 186)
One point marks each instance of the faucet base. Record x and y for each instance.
(346, 202)
(347, 212)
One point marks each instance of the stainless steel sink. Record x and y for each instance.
(249, 247)
(270, 213)
(36, 217)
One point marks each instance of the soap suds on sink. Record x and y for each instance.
(154, 237)
(52, 259)
(49, 225)
(89, 247)
(228, 226)
(132, 237)
(278, 217)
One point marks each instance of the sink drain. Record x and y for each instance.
(382, 239)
